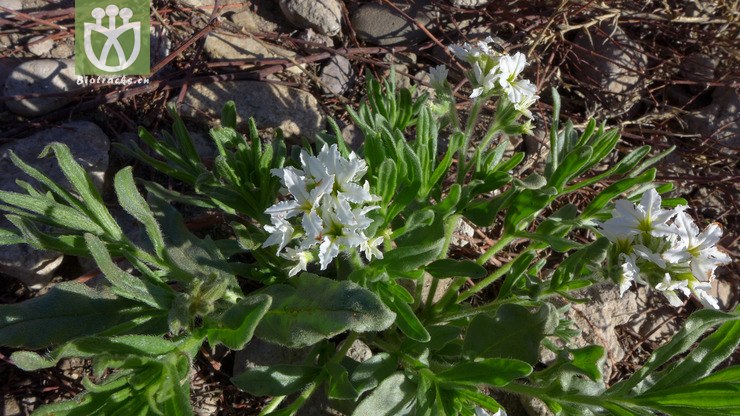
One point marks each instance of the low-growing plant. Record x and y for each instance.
(328, 246)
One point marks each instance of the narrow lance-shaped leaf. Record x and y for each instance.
(125, 284)
(82, 183)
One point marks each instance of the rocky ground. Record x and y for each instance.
(665, 72)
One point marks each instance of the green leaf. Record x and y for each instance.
(72, 310)
(526, 205)
(513, 333)
(444, 268)
(8, 238)
(237, 325)
(695, 326)
(570, 166)
(141, 345)
(124, 284)
(495, 372)
(276, 380)
(393, 397)
(84, 186)
(406, 319)
(702, 399)
(134, 204)
(54, 213)
(485, 401)
(387, 181)
(339, 386)
(316, 308)
(142, 387)
(229, 115)
(408, 258)
(67, 244)
(613, 190)
(710, 352)
(371, 372)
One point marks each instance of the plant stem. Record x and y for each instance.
(500, 244)
(469, 129)
(274, 403)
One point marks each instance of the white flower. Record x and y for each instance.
(629, 219)
(669, 287)
(370, 248)
(438, 77)
(301, 256)
(630, 273)
(647, 254)
(331, 207)
(306, 191)
(523, 94)
(479, 411)
(469, 53)
(486, 81)
(281, 232)
(699, 247)
(509, 69)
(701, 290)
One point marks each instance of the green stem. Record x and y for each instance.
(469, 130)
(274, 403)
(500, 244)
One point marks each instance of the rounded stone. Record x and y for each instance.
(41, 76)
(382, 25)
(469, 4)
(39, 45)
(294, 111)
(323, 16)
(337, 74)
(612, 64)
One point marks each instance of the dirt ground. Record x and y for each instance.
(665, 72)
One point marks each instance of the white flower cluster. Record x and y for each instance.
(328, 209)
(664, 249)
(497, 73)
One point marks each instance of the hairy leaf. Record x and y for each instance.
(315, 308)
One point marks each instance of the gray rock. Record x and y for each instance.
(309, 35)
(90, 146)
(41, 76)
(612, 64)
(598, 319)
(337, 75)
(698, 67)
(359, 351)
(718, 120)
(262, 16)
(534, 407)
(653, 321)
(239, 47)
(12, 5)
(470, 4)
(353, 137)
(294, 111)
(323, 16)
(381, 25)
(727, 292)
(63, 50)
(208, 4)
(40, 45)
